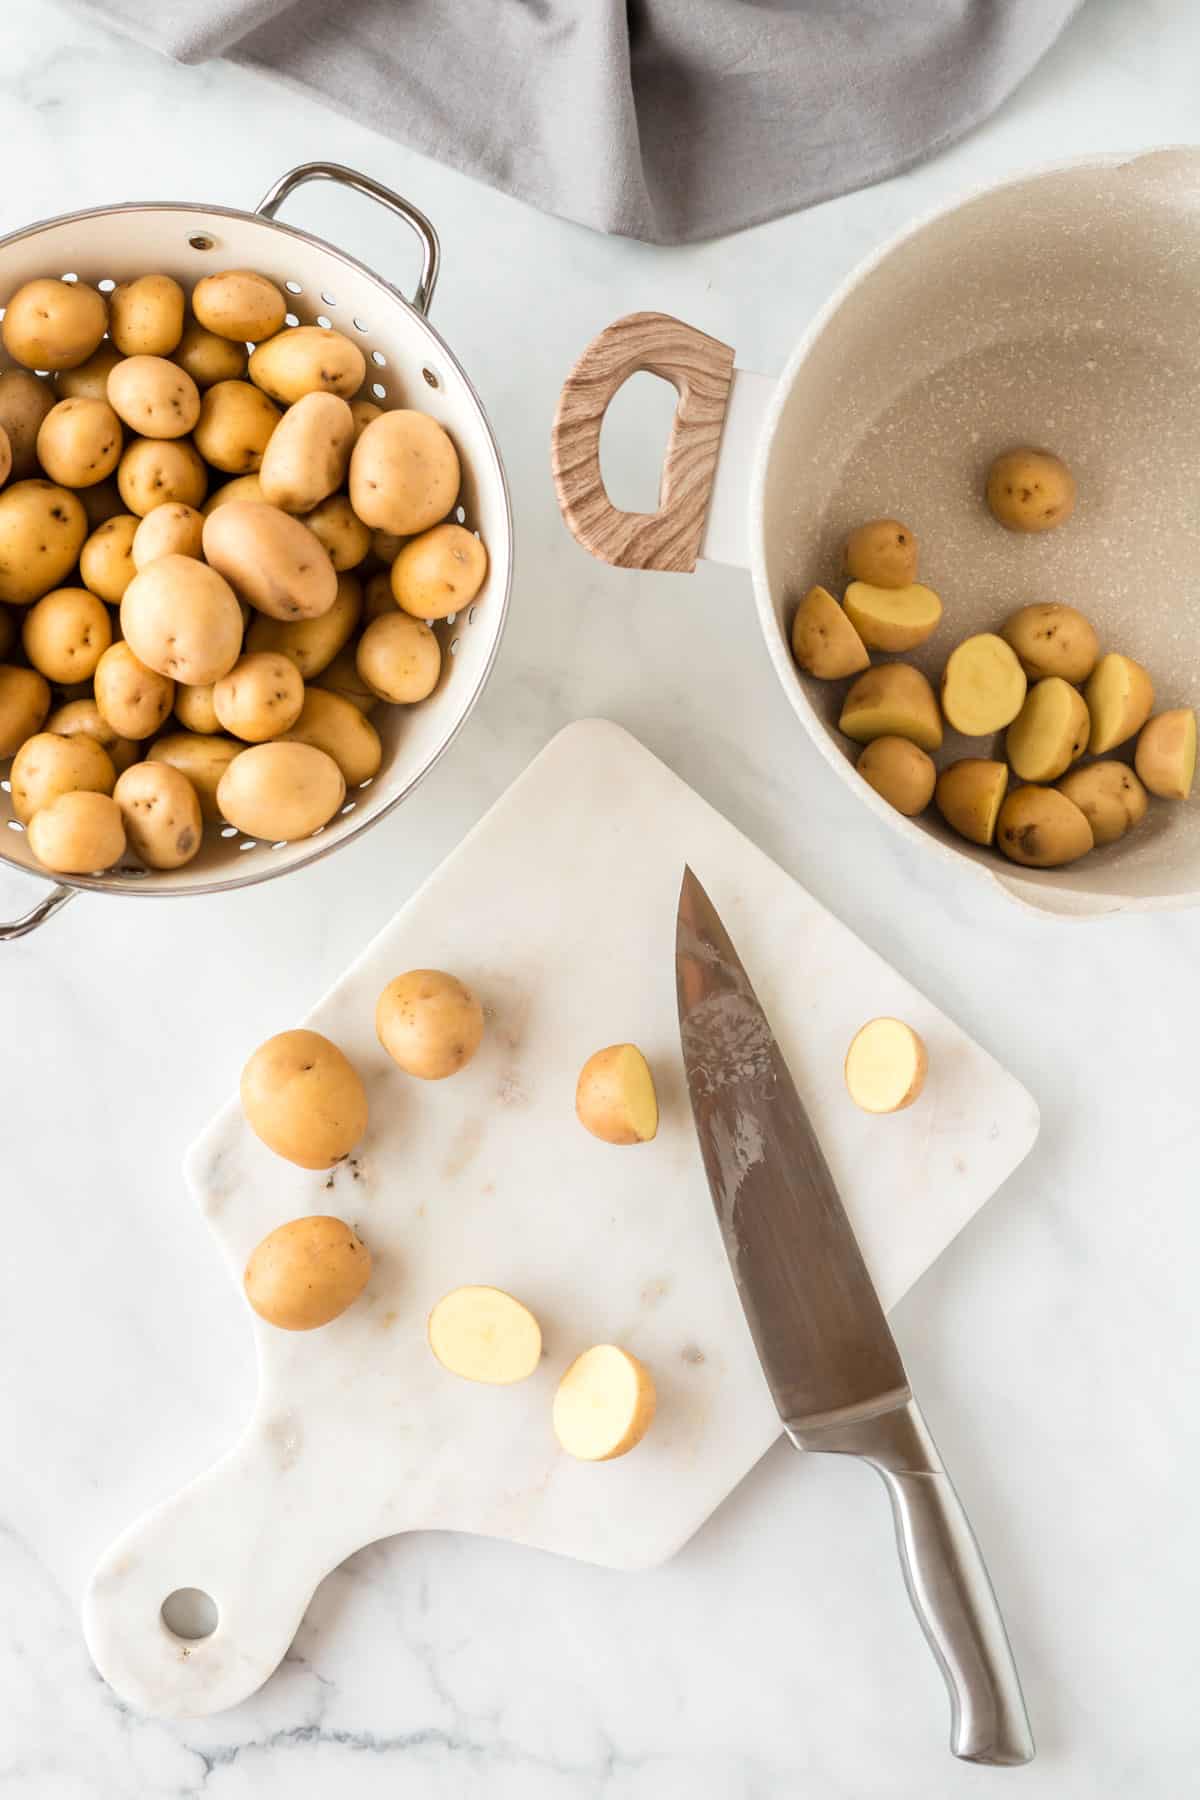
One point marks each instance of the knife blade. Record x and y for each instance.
(826, 1349)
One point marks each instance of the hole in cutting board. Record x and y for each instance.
(633, 441)
(190, 1613)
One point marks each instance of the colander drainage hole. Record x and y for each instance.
(324, 323)
(328, 298)
(71, 277)
(290, 319)
(379, 391)
(107, 285)
(379, 358)
(293, 287)
(190, 1613)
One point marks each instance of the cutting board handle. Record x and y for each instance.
(700, 369)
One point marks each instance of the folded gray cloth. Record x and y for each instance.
(668, 120)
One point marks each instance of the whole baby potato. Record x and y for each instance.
(1041, 828)
(306, 1273)
(430, 1023)
(260, 698)
(106, 560)
(83, 718)
(53, 325)
(183, 619)
(145, 317)
(24, 703)
(47, 765)
(203, 758)
(171, 530)
(308, 453)
(364, 411)
(42, 528)
(66, 633)
(332, 724)
(272, 559)
(308, 360)
(235, 426)
(378, 596)
(78, 833)
(242, 487)
(80, 442)
(303, 1097)
(132, 699)
(101, 502)
(1052, 639)
(404, 473)
(883, 552)
(281, 792)
(208, 358)
(161, 813)
(311, 644)
(386, 545)
(440, 572)
(90, 380)
(155, 471)
(399, 658)
(1030, 490)
(25, 400)
(824, 642)
(195, 707)
(1110, 797)
(335, 524)
(154, 396)
(969, 795)
(341, 677)
(893, 700)
(239, 304)
(900, 771)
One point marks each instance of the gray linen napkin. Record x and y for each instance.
(668, 120)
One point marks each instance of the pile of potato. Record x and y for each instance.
(191, 498)
(1040, 680)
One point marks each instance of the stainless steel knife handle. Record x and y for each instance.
(947, 1582)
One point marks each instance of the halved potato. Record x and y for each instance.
(969, 795)
(983, 685)
(1110, 797)
(883, 552)
(894, 700)
(1051, 639)
(1165, 757)
(1050, 732)
(901, 772)
(1120, 698)
(1042, 829)
(483, 1334)
(888, 618)
(604, 1405)
(823, 640)
(885, 1066)
(615, 1098)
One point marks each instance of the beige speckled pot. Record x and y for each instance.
(1058, 309)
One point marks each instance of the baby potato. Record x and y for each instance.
(194, 707)
(893, 700)
(969, 795)
(404, 473)
(272, 559)
(1030, 490)
(79, 442)
(892, 618)
(378, 596)
(308, 453)
(308, 360)
(1051, 639)
(983, 685)
(1110, 797)
(235, 426)
(25, 400)
(1165, 757)
(883, 553)
(1050, 732)
(203, 758)
(156, 471)
(133, 699)
(24, 703)
(332, 724)
(260, 698)
(208, 358)
(615, 1098)
(242, 487)
(1041, 828)
(182, 618)
(335, 525)
(886, 1066)
(824, 642)
(171, 530)
(101, 502)
(386, 545)
(78, 833)
(363, 411)
(145, 317)
(46, 766)
(439, 573)
(240, 305)
(901, 772)
(604, 1405)
(399, 658)
(1120, 698)
(42, 528)
(54, 325)
(430, 1023)
(483, 1334)
(154, 397)
(66, 633)
(161, 813)
(83, 718)
(341, 677)
(281, 792)
(303, 1096)
(90, 380)
(306, 1273)
(311, 644)
(106, 560)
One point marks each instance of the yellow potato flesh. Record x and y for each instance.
(892, 618)
(885, 1066)
(1120, 698)
(892, 701)
(483, 1334)
(615, 1098)
(983, 687)
(1050, 732)
(1166, 754)
(604, 1404)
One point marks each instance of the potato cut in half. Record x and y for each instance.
(983, 685)
(824, 642)
(883, 552)
(892, 618)
(1041, 828)
(1165, 757)
(1050, 732)
(615, 1098)
(483, 1334)
(1110, 797)
(969, 795)
(604, 1404)
(1120, 698)
(886, 1066)
(894, 700)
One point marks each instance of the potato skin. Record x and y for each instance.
(334, 725)
(42, 528)
(89, 381)
(235, 426)
(364, 411)
(824, 642)
(203, 758)
(1030, 490)
(1165, 757)
(280, 792)
(47, 765)
(65, 634)
(238, 304)
(25, 399)
(306, 1273)
(272, 559)
(1040, 828)
(341, 677)
(1052, 639)
(54, 325)
(154, 471)
(161, 814)
(335, 524)
(79, 833)
(260, 698)
(208, 358)
(404, 473)
(79, 442)
(883, 552)
(311, 644)
(969, 794)
(145, 317)
(399, 658)
(106, 560)
(24, 704)
(1049, 733)
(602, 1099)
(182, 618)
(242, 487)
(430, 1023)
(154, 397)
(171, 530)
(133, 700)
(901, 772)
(892, 700)
(1120, 698)
(101, 502)
(308, 453)
(1110, 796)
(306, 360)
(439, 573)
(304, 1098)
(83, 718)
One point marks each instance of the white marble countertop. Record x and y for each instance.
(1054, 1346)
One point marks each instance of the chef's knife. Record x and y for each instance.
(825, 1346)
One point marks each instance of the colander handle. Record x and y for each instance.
(273, 199)
(37, 915)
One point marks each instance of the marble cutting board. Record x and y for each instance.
(559, 909)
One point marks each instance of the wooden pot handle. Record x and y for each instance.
(700, 369)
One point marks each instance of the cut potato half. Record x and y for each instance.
(1041, 828)
(894, 700)
(604, 1404)
(1110, 797)
(1120, 698)
(1050, 732)
(983, 685)
(892, 618)
(483, 1334)
(1166, 753)
(885, 1066)
(969, 795)
(824, 642)
(615, 1098)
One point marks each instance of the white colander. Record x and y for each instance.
(408, 365)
